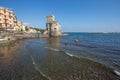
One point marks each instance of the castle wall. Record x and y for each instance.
(53, 27)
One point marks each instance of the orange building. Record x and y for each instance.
(7, 19)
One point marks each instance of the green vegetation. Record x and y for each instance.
(26, 28)
(21, 30)
(42, 31)
(39, 30)
(8, 39)
(3, 35)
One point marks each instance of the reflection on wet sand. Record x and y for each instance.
(53, 41)
(8, 54)
(16, 64)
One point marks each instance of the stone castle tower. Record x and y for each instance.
(53, 27)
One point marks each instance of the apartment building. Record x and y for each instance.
(21, 26)
(7, 19)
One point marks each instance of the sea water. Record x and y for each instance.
(63, 58)
(96, 56)
(100, 47)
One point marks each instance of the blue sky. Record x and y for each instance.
(74, 15)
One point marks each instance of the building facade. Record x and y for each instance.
(21, 26)
(53, 27)
(31, 30)
(7, 19)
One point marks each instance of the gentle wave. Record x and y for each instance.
(79, 45)
(69, 54)
(118, 73)
(57, 50)
(39, 69)
(113, 51)
(52, 49)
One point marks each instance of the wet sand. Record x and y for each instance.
(29, 61)
(16, 64)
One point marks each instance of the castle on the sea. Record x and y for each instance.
(53, 28)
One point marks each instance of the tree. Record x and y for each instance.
(26, 28)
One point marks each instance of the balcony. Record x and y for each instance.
(10, 23)
(6, 22)
(10, 19)
(6, 18)
(10, 15)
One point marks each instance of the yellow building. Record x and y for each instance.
(7, 19)
(19, 23)
(21, 26)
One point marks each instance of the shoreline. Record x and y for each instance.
(31, 56)
(17, 56)
(16, 37)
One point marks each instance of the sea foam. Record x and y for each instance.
(118, 73)
(59, 51)
(52, 49)
(69, 54)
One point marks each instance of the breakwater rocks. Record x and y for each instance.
(18, 36)
(27, 36)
